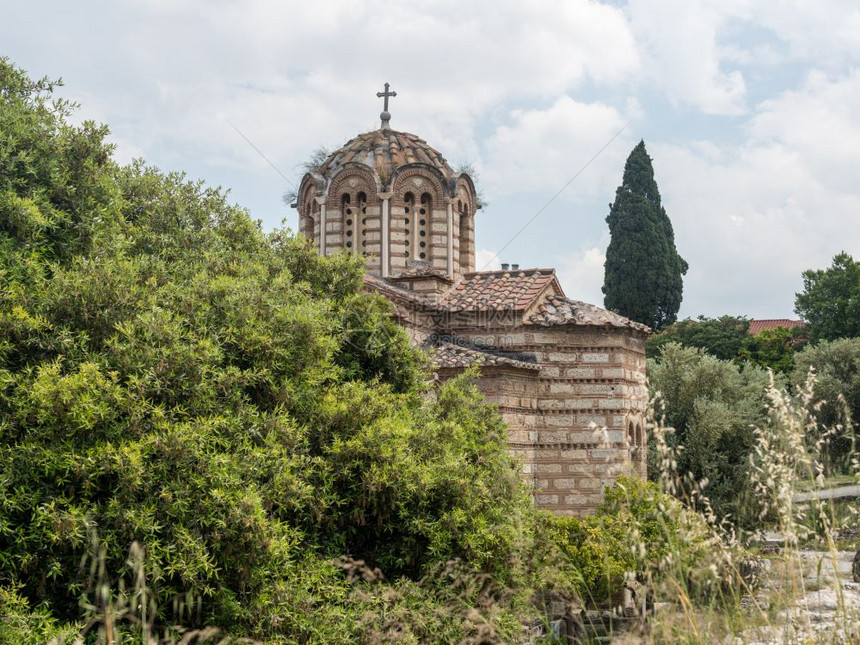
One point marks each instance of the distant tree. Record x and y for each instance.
(643, 270)
(830, 300)
(837, 387)
(774, 348)
(713, 406)
(728, 339)
(722, 337)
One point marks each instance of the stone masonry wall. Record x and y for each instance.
(571, 421)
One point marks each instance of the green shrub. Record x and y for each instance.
(728, 339)
(22, 625)
(837, 390)
(642, 533)
(712, 405)
(597, 552)
(228, 399)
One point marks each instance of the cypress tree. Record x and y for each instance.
(642, 274)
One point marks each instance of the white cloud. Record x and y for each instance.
(543, 149)
(486, 260)
(820, 122)
(825, 32)
(751, 218)
(581, 273)
(683, 56)
(293, 76)
(700, 53)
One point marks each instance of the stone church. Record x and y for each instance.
(568, 377)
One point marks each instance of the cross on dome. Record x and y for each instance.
(385, 116)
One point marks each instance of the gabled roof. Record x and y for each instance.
(758, 326)
(500, 290)
(556, 310)
(450, 356)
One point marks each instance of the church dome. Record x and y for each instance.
(385, 151)
(393, 199)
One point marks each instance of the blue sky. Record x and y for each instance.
(750, 110)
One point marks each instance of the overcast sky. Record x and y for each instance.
(749, 108)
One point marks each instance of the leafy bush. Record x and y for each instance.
(837, 389)
(638, 534)
(172, 376)
(22, 625)
(593, 552)
(775, 349)
(712, 406)
(830, 300)
(723, 337)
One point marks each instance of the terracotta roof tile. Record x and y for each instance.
(386, 150)
(496, 290)
(451, 356)
(555, 310)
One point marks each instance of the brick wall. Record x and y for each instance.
(571, 421)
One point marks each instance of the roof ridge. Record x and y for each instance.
(561, 310)
(542, 271)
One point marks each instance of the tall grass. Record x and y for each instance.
(120, 612)
(794, 594)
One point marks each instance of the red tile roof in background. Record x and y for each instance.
(758, 326)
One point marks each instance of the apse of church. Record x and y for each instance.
(568, 377)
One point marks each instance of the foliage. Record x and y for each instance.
(830, 300)
(638, 534)
(724, 337)
(643, 272)
(680, 552)
(836, 365)
(230, 400)
(728, 339)
(23, 625)
(712, 406)
(775, 349)
(596, 552)
(53, 176)
(440, 607)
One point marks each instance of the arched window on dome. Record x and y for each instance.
(409, 222)
(348, 222)
(308, 220)
(465, 230)
(423, 227)
(361, 223)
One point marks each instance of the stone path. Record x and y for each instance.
(829, 614)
